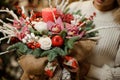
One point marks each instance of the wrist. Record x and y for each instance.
(94, 72)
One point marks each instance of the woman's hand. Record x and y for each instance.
(116, 73)
(103, 73)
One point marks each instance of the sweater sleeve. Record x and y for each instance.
(73, 6)
(101, 73)
(117, 60)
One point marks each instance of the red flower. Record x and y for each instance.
(33, 45)
(14, 40)
(67, 18)
(36, 16)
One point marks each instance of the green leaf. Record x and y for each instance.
(66, 10)
(31, 30)
(37, 52)
(66, 50)
(83, 18)
(45, 53)
(34, 31)
(88, 28)
(52, 55)
(29, 51)
(77, 13)
(22, 48)
(63, 34)
(59, 51)
(89, 24)
(14, 46)
(71, 41)
(19, 46)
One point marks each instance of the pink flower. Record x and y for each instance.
(22, 27)
(20, 24)
(55, 27)
(22, 33)
(72, 30)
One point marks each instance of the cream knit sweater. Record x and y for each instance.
(107, 51)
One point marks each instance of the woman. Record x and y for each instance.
(105, 58)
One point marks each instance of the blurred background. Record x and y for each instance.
(9, 68)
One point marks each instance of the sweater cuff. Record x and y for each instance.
(116, 73)
(94, 72)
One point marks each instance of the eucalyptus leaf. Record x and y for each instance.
(45, 53)
(71, 41)
(59, 51)
(34, 31)
(18, 46)
(89, 24)
(52, 55)
(14, 46)
(37, 52)
(22, 48)
(63, 34)
(29, 51)
(66, 50)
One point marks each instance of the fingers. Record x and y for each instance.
(116, 72)
(106, 73)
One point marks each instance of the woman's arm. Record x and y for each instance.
(117, 59)
(116, 69)
(101, 73)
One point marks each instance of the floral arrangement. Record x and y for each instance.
(51, 32)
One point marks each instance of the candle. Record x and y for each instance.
(48, 14)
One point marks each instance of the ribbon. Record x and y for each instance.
(69, 63)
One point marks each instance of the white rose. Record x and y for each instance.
(45, 43)
(40, 26)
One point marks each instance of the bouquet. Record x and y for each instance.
(51, 43)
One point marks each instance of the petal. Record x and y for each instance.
(68, 26)
(59, 21)
(50, 24)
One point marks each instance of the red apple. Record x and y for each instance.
(57, 41)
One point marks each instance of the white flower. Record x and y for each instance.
(45, 43)
(40, 26)
(29, 38)
(24, 40)
(32, 35)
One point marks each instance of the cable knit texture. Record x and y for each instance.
(108, 46)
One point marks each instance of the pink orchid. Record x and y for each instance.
(19, 24)
(22, 32)
(72, 30)
(22, 28)
(55, 27)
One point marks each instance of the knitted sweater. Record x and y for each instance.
(107, 51)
